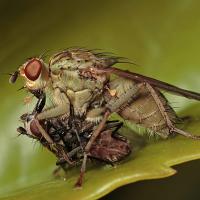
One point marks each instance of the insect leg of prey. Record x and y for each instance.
(163, 111)
(88, 146)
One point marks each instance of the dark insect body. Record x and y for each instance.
(71, 136)
(83, 95)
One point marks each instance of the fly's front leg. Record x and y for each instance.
(40, 103)
(61, 107)
(28, 118)
(61, 163)
(37, 110)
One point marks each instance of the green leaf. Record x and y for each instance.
(165, 43)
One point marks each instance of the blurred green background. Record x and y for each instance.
(163, 37)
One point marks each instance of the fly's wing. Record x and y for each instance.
(153, 82)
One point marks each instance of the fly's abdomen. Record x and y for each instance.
(149, 110)
(146, 112)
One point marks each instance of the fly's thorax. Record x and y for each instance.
(72, 79)
(80, 58)
(70, 63)
(80, 91)
(71, 59)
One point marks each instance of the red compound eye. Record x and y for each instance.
(33, 69)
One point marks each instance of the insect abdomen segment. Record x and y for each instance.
(143, 109)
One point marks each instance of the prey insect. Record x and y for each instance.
(81, 79)
(72, 134)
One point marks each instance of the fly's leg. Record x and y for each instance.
(23, 131)
(38, 108)
(36, 111)
(61, 163)
(43, 132)
(40, 103)
(93, 137)
(61, 107)
(116, 125)
(55, 148)
(70, 154)
(82, 171)
(171, 126)
(113, 105)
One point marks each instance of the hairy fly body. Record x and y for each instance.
(81, 79)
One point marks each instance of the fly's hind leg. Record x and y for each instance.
(62, 163)
(163, 110)
(93, 137)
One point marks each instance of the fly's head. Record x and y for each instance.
(35, 73)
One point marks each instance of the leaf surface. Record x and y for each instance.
(165, 42)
